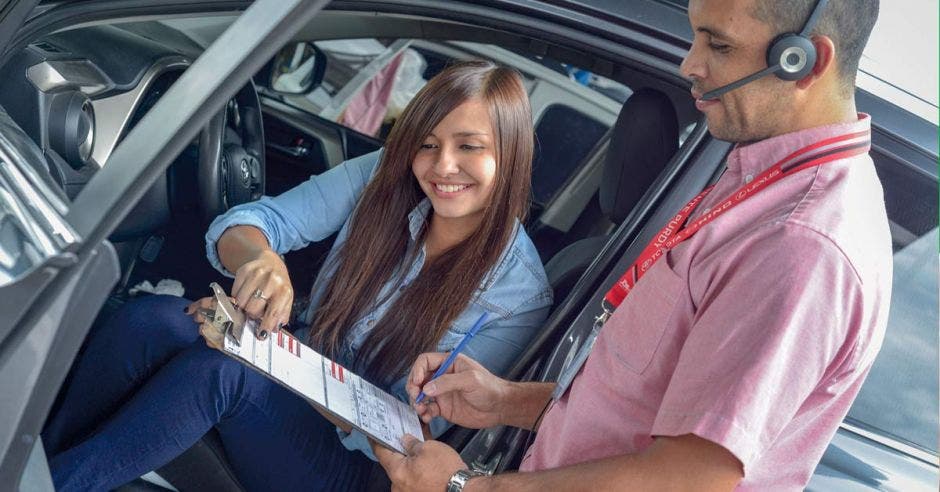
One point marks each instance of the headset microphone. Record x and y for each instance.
(791, 56)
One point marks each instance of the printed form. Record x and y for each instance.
(328, 384)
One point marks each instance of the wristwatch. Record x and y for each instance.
(459, 479)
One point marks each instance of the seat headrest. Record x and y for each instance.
(644, 138)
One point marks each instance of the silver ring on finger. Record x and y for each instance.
(259, 294)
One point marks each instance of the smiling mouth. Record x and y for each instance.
(450, 188)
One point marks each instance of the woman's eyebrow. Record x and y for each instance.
(471, 134)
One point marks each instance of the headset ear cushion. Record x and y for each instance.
(795, 54)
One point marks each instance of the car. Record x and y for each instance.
(127, 125)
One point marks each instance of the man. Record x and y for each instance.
(734, 358)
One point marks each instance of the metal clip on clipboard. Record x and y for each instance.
(226, 318)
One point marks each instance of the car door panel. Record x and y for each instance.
(35, 358)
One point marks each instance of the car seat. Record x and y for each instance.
(643, 140)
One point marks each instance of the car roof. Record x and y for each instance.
(666, 16)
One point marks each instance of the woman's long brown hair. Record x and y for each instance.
(377, 246)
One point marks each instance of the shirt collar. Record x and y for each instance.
(417, 217)
(752, 159)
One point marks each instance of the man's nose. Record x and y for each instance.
(693, 66)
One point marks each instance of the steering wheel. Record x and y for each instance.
(231, 166)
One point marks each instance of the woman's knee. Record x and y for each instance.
(155, 315)
(154, 327)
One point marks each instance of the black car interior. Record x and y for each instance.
(644, 138)
(259, 144)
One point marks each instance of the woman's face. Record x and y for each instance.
(456, 164)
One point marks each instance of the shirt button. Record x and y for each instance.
(749, 178)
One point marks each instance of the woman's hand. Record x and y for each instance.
(467, 394)
(263, 290)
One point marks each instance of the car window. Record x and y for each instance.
(900, 396)
(368, 83)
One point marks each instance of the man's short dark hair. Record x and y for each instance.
(847, 22)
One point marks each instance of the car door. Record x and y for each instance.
(889, 438)
(56, 265)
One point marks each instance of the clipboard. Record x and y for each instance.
(324, 383)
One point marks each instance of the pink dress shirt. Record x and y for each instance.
(756, 333)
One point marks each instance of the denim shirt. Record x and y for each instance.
(515, 292)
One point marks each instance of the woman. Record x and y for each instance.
(429, 238)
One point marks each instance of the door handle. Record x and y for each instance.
(295, 151)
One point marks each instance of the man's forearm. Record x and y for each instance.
(680, 463)
(239, 245)
(523, 403)
(595, 475)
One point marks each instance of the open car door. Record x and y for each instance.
(56, 264)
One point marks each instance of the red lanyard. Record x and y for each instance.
(841, 147)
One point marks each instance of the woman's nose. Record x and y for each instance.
(446, 163)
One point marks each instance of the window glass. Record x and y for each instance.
(900, 396)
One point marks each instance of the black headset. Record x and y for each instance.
(791, 56)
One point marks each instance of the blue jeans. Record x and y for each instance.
(147, 387)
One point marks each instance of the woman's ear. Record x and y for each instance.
(825, 61)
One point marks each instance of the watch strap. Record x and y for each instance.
(459, 479)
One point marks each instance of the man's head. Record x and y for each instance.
(731, 41)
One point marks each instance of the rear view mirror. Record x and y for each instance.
(297, 68)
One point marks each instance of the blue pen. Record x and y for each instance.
(453, 353)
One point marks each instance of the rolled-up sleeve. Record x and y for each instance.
(309, 212)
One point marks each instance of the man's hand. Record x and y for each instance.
(467, 395)
(426, 466)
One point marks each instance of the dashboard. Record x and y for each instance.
(78, 93)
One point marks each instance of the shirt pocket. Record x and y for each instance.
(649, 309)
(459, 328)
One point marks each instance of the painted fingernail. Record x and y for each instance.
(262, 335)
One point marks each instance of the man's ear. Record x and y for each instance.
(825, 61)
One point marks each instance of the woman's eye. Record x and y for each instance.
(427, 146)
(471, 147)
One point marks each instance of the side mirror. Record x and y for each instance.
(297, 68)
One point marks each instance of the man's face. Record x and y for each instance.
(730, 44)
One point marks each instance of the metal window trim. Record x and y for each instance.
(894, 444)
